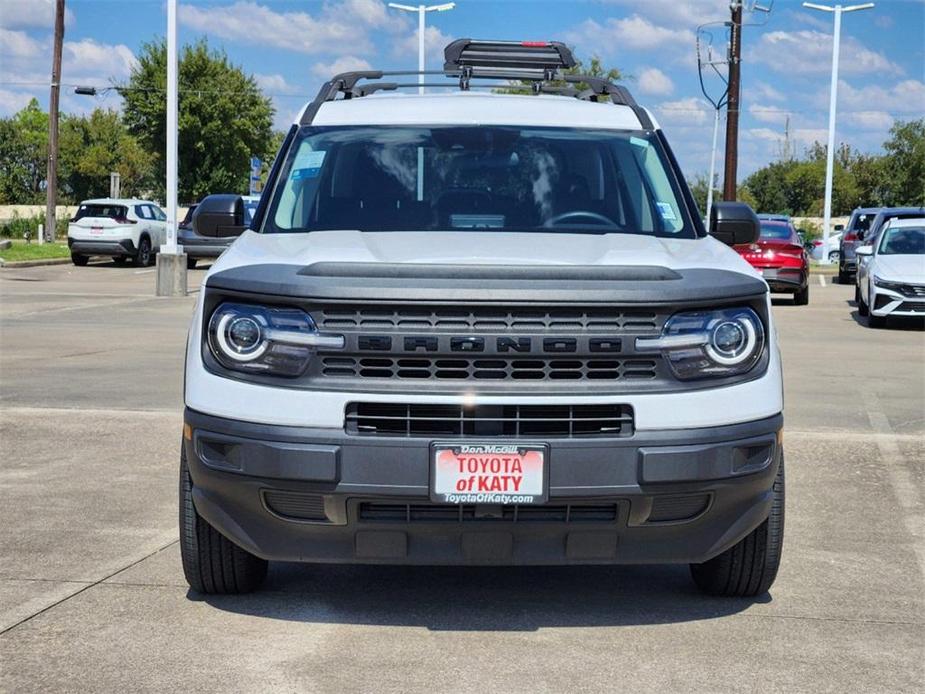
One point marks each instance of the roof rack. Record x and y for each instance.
(538, 62)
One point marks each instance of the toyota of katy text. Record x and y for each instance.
(469, 327)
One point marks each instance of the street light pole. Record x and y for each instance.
(421, 11)
(171, 261)
(833, 98)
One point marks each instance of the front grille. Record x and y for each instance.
(677, 507)
(295, 505)
(467, 319)
(496, 369)
(510, 421)
(912, 306)
(375, 512)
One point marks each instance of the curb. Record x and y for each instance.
(34, 263)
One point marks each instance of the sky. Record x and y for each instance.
(292, 47)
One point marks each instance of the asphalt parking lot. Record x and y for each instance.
(92, 597)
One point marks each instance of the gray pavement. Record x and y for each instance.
(92, 597)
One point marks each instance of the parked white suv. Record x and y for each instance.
(483, 328)
(125, 229)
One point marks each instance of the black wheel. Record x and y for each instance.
(843, 277)
(120, 260)
(862, 307)
(212, 563)
(79, 259)
(190, 263)
(144, 256)
(801, 298)
(875, 321)
(857, 294)
(834, 256)
(749, 567)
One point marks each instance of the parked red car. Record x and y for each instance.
(781, 258)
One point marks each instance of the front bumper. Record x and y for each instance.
(114, 247)
(886, 302)
(321, 495)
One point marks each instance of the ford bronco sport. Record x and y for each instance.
(483, 328)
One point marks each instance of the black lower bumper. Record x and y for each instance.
(86, 247)
(295, 494)
(785, 279)
(196, 246)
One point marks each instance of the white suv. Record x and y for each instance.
(122, 228)
(483, 328)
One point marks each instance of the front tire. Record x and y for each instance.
(79, 259)
(749, 567)
(212, 563)
(801, 298)
(875, 321)
(190, 263)
(863, 310)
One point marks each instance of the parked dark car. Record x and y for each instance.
(198, 242)
(859, 223)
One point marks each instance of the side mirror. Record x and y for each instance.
(219, 215)
(839, 227)
(734, 223)
(864, 251)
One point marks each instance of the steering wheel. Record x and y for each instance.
(559, 218)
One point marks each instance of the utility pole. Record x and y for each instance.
(833, 98)
(51, 184)
(732, 105)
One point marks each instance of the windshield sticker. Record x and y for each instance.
(308, 164)
(666, 211)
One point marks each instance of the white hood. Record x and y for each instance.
(900, 268)
(480, 248)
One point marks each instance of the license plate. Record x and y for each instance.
(769, 272)
(489, 473)
(96, 231)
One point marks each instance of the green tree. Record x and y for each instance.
(224, 119)
(904, 164)
(91, 147)
(699, 190)
(24, 155)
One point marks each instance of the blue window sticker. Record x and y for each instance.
(307, 164)
(666, 211)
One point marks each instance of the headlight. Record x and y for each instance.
(263, 339)
(883, 284)
(699, 344)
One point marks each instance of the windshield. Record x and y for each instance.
(903, 241)
(775, 230)
(477, 178)
(97, 211)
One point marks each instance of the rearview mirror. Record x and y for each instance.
(734, 223)
(219, 215)
(864, 250)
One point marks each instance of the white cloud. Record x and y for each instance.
(763, 90)
(679, 13)
(274, 84)
(434, 43)
(654, 81)
(768, 114)
(810, 51)
(347, 63)
(38, 14)
(630, 33)
(684, 112)
(18, 44)
(906, 97)
(12, 101)
(337, 29)
(870, 120)
(98, 61)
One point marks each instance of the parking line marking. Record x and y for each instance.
(904, 486)
(821, 280)
(142, 272)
